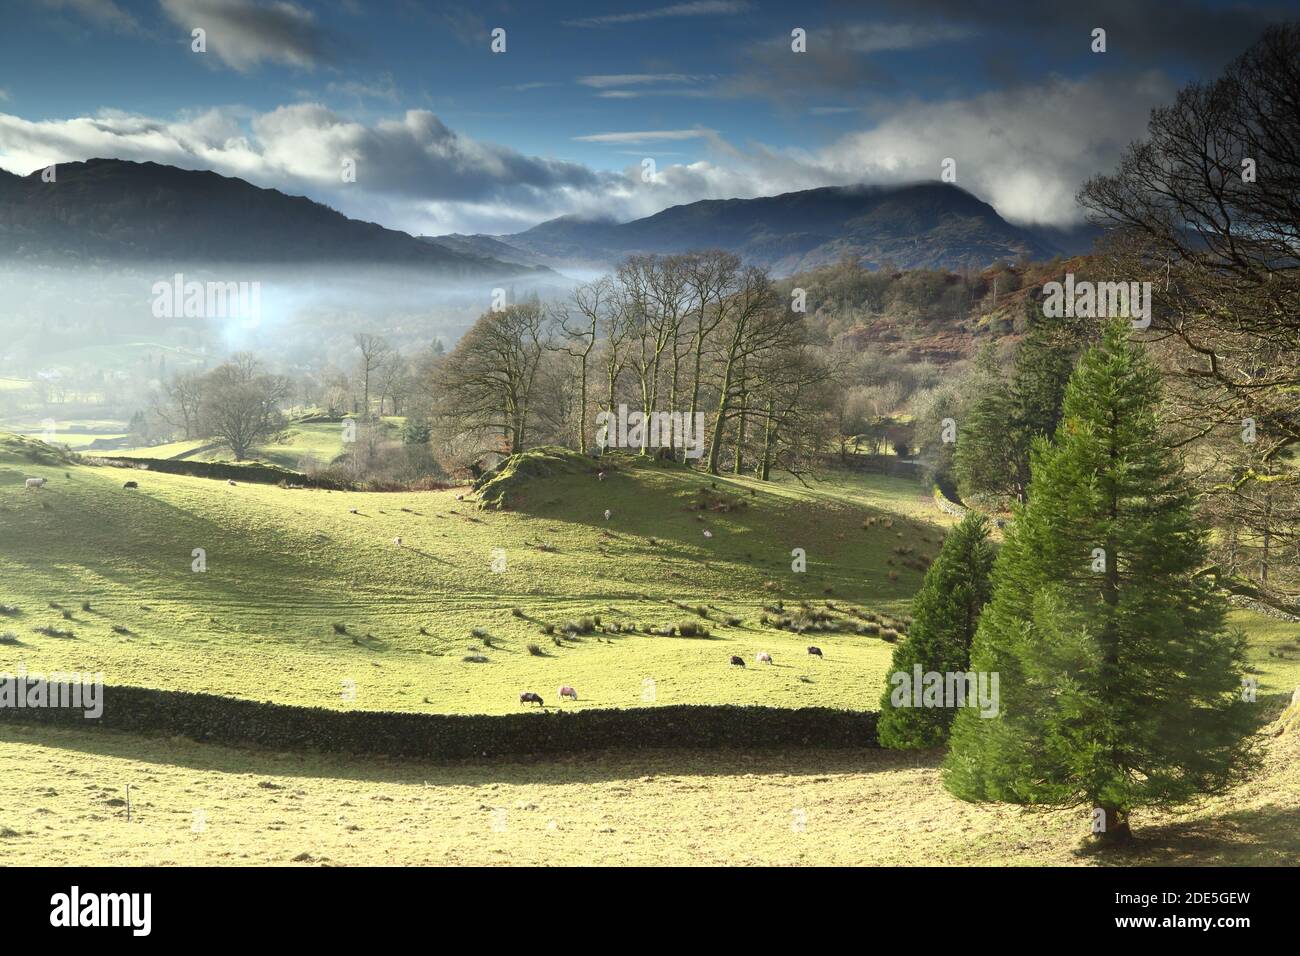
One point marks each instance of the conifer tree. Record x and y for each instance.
(984, 461)
(1120, 687)
(944, 615)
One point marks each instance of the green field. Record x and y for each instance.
(284, 566)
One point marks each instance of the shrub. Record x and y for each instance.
(733, 622)
(8, 637)
(474, 659)
(49, 630)
(536, 651)
(121, 629)
(692, 629)
(67, 615)
(339, 628)
(9, 610)
(85, 606)
(548, 629)
(889, 634)
(479, 632)
(517, 612)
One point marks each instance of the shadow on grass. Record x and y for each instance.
(559, 769)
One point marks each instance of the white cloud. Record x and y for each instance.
(645, 136)
(244, 33)
(698, 8)
(1026, 151)
(104, 12)
(601, 81)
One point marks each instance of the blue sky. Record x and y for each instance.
(448, 136)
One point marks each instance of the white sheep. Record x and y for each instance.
(607, 514)
(398, 541)
(34, 483)
(763, 657)
(708, 534)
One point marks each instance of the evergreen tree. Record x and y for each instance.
(1119, 687)
(1044, 362)
(944, 615)
(984, 459)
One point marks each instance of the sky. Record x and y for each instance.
(447, 135)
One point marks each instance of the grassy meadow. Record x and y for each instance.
(285, 566)
(62, 801)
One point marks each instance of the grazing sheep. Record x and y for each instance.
(607, 514)
(763, 657)
(398, 541)
(230, 482)
(815, 651)
(352, 511)
(567, 691)
(131, 484)
(708, 534)
(600, 476)
(737, 661)
(528, 697)
(34, 483)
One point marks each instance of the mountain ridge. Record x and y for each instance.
(913, 225)
(125, 210)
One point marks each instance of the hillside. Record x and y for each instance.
(109, 209)
(284, 566)
(921, 225)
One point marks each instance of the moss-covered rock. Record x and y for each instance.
(507, 484)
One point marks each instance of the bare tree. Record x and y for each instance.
(486, 384)
(240, 404)
(374, 351)
(1207, 209)
(579, 321)
(177, 403)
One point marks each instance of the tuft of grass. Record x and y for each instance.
(49, 630)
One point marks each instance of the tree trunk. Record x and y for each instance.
(1115, 830)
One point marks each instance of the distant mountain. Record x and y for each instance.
(483, 246)
(109, 209)
(933, 225)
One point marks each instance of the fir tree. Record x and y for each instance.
(1044, 362)
(984, 461)
(1119, 686)
(944, 615)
